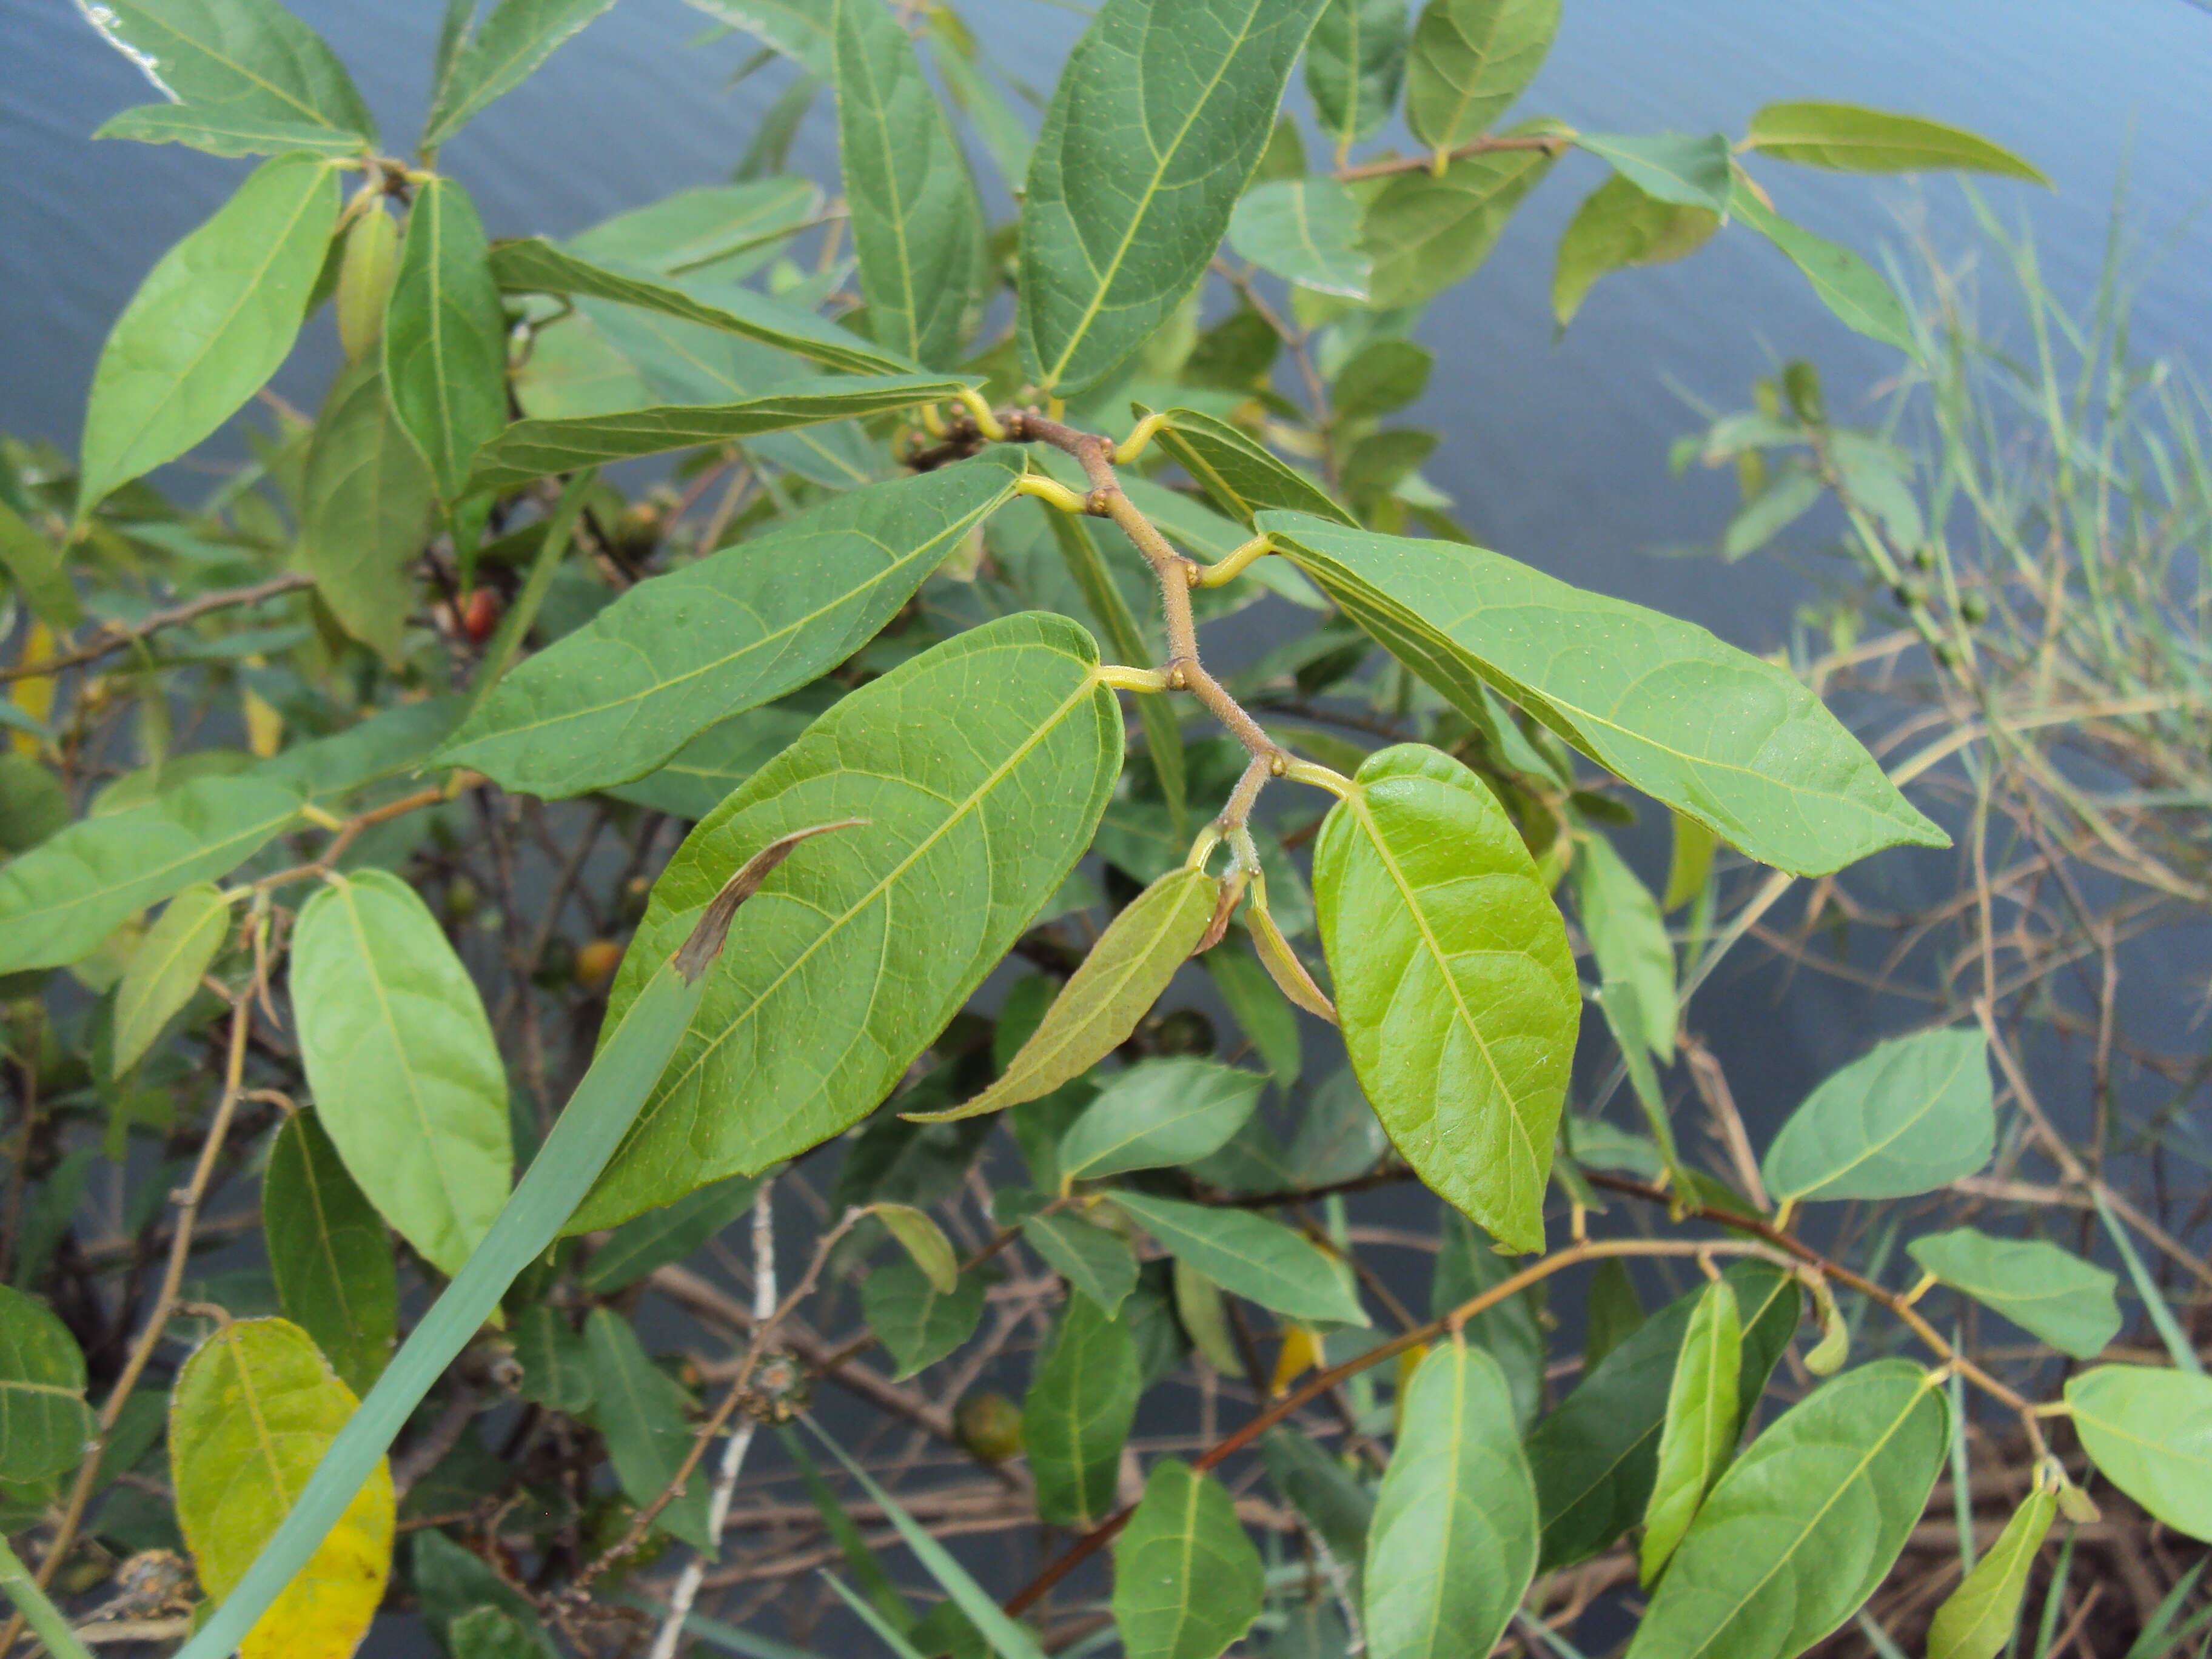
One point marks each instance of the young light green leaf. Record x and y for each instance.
(1098, 1263)
(923, 1240)
(1241, 477)
(44, 1424)
(1628, 936)
(365, 510)
(1160, 116)
(1187, 1581)
(1076, 1414)
(1204, 1316)
(329, 1254)
(1454, 986)
(916, 1321)
(1848, 138)
(1427, 231)
(1617, 227)
(1158, 1112)
(1978, 1618)
(668, 1234)
(1304, 230)
(1689, 862)
(400, 1055)
(445, 337)
(1772, 769)
(2150, 1432)
(1700, 1432)
(1912, 1115)
(795, 1039)
(165, 968)
(1249, 1256)
(225, 129)
(621, 696)
(557, 1365)
(1355, 63)
(1260, 1010)
(1847, 284)
(2047, 1292)
(209, 325)
(512, 41)
(238, 61)
(1669, 166)
(1805, 1523)
(58, 901)
(1454, 1543)
(1285, 966)
(368, 262)
(39, 575)
(1470, 59)
(1102, 1002)
(641, 1412)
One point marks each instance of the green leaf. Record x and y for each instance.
(1628, 937)
(693, 780)
(1978, 1618)
(1187, 1581)
(964, 842)
(1470, 60)
(923, 1241)
(44, 1421)
(1338, 1137)
(2150, 1432)
(165, 968)
(254, 1409)
(1689, 862)
(1805, 1523)
(1383, 376)
(1098, 1263)
(208, 327)
(1454, 1542)
(1617, 227)
(490, 1633)
(1509, 1331)
(1355, 63)
(238, 61)
(1159, 1112)
(1427, 231)
(641, 1411)
(557, 1365)
(1847, 284)
(622, 695)
(1911, 1116)
(1847, 138)
(1238, 475)
(917, 225)
(58, 901)
(721, 230)
(400, 1055)
(1159, 119)
(1261, 1011)
(800, 29)
(445, 337)
(365, 510)
(1612, 1313)
(512, 41)
(918, 1322)
(1454, 986)
(1339, 1509)
(34, 808)
(1774, 772)
(1304, 230)
(668, 1234)
(329, 1254)
(2047, 1292)
(1102, 1002)
(225, 129)
(1076, 1415)
(1669, 166)
(36, 567)
(1701, 1426)
(1250, 1256)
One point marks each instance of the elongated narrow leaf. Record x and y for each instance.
(1355, 63)
(1851, 139)
(400, 1055)
(917, 1321)
(1101, 1004)
(1305, 231)
(513, 40)
(1805, 1523)
(238, 60)
(1098, 1263)
(210, 324)
(668, 1234)
(622, 694)
(557, 1365)
(1158, 1112)
(2150, 1432)
(44, 1421)
(1285, 967)
(1469, 60)
(1669, 166)
(445, 337)
(1454, 986)
(1908, 1117)
(1241, 477)
(2045, 1290)
(1628, 937)
(641, 1413)
(1619, 225)
(1978, 1618)
(226, 130)
(1454, 1542)
(1699, 1435)
(58, 901)
(366, 510)
(329, 1254)
(1160, 116)
(724, 230)
(1424, 231)
(1187, 1581)
(1764, 765)
(1250, 1256)
(976, 810)
(1847, 284)
(1076, 1415)
(1261, 1011)
(253, 1409)
(165, 968)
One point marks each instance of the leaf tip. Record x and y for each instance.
(697, 953)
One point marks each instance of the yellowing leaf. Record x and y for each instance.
(34, 693)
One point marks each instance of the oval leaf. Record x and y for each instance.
(365, 510)
(2045, 1290)
(1076, 1417)
(1305, 231)
(1249, 1256)
(1848, 138)
(916, 1321)
(1701, 1425)
(239, 61)
(1426, 231)
(1470, 59)
(643, 1413)
(165, 968)
(1355, 63)
(445, 337)
(329, 1254)
(556, 1366)
(1847, 285)
(1098, 1263)
(923, 1240)
(1618, 226)
(1908, 1117)
(1187, 1581)
(514, 40)
(1159, 1112)
(1669, 166)
(2150, 1432)
(1978, 1618)
(1628, 937)
(44, 1421)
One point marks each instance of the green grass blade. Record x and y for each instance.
(2169, 1328)
(875, 1621)
(44, 1618)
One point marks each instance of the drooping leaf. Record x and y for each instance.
(445, 337)
(1851, 139)
(253, 1410)
(1355, 63)
(1700, 1431)
(209, 325)
(1694, 172)
(557, 1365)
(668, 1234)
(641, 1410)
(165, 968)
(1095, 1262)
(1249, 1256)
(1847, 284)
(1455, 987)
(1304, 230)
(1427, 231)
(44, 1421)
(966, 837)
(328, 1253)
(923, 1241)
(1628, 937)
(621, 696)
(1805, 1523)
(513, 40)
(1158, 1112)
(366, 510)
(1914, 1113)
(1454, 1542)
(1766, 765)
(1076, 1414)
(1187, 1581)
(2149, 1431)
(918, 1322)
(1160, 116)
(225, 129)
(2047, 1292)
(1978, 1618)
(1241, 477)
(400, 1055)
(238, 62)
(1617, 227)
(1469, 60)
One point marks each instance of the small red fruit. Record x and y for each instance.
(480, 614)
(596, 963)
